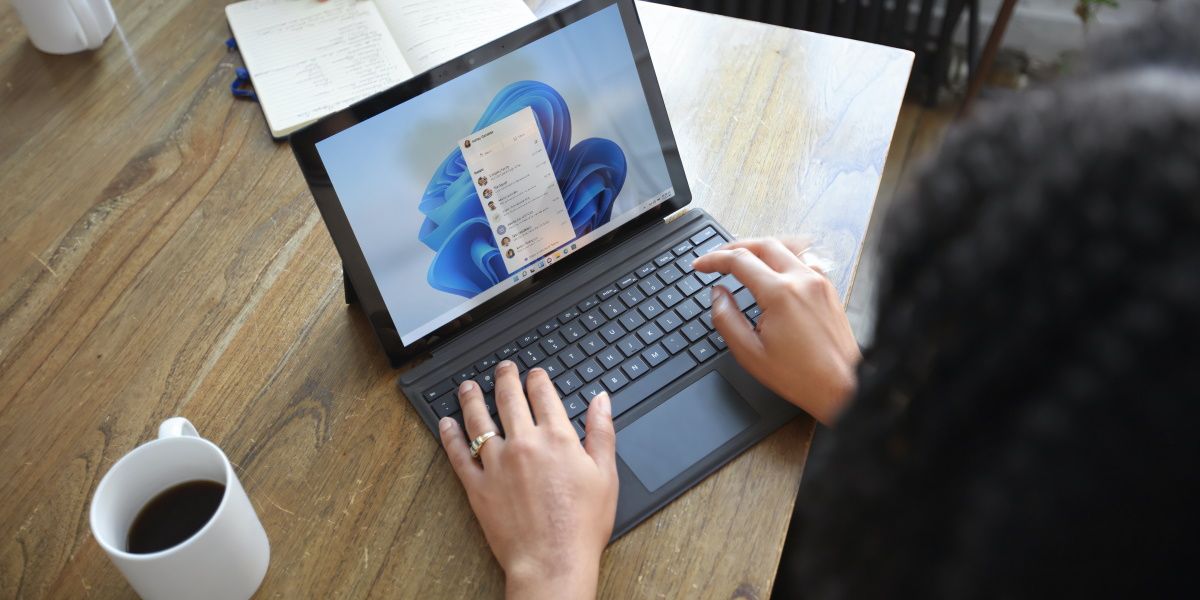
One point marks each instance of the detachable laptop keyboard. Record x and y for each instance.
(631, 337)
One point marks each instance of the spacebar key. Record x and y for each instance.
(655, 380)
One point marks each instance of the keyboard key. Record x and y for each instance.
(632, 296)
(634, 368)
(744, 299)
(702, 351)
(630, 345)
(574, 405)
(486, 364)
(632, 320)
(432, 393)
(685, 264)
(610, 357)
(689, 285)
(627, 281)
(704, 297)
(612, 308)
(654, 355)
(708, 246)
(731, 283)
(568, 383)
(507, 351)
(528, 338)
(486, 381)
(489, 400)
(593, 319)
(650, 286)
(670, 297)
(552, 343)
(688, 309)
(612, 331)
(608, 292)
(674, 343)
(753, 313)
(592, 344)
(579, 430)
(614, 380)
(462, 376)
(706, 318)
(650, 383)
(663, 259)
(586, 304)
(572, 356)
(553, 367)
(445, 406)
(681, 247)
(591, 390)
(706, 233)
(669, 275)
(707, 278)
(589, 370)
(717, 340)
(548, 326)
(650, 309)
(573, 331)
(694, 330)
(649, 333)
(568, 315)
(644, 270)
(669, 321)
(532, 356)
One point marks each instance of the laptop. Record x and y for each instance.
(513, 204)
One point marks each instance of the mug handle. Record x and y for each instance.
(176, 427)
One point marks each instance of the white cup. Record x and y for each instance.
(66, 26)
(227, 558)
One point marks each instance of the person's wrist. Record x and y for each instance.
(576, 578)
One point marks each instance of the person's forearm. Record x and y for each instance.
(578, 584)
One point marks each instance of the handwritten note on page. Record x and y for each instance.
(308, 59)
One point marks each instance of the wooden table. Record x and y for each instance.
(162, 256)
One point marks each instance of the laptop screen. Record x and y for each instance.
(462, 192)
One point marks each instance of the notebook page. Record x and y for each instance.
(308, 58)
(431, 32)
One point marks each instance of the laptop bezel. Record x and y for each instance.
(357, 271)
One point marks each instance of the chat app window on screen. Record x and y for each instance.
(463, 191)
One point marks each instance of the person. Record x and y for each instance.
(1023, 422)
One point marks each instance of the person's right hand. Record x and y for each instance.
(803, 348)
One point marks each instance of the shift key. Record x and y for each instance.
(657, 379)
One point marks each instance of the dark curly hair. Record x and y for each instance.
(1025, 422)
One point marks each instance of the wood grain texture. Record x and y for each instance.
(160, 255)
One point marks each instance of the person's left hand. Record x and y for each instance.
(546, 504)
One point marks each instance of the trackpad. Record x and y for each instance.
(684, 429)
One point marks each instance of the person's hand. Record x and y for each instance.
(803, 347)
(546, 503)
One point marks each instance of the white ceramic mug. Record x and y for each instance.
(227, 558)
(66, 26)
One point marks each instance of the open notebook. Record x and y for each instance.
(309, 58)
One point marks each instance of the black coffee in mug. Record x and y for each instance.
(174, 515)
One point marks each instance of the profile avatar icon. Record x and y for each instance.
(511, 253)
(466, 143)
(482, 181)
(501, 229)
(506, 241)
(491, 205)
(487, 193)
